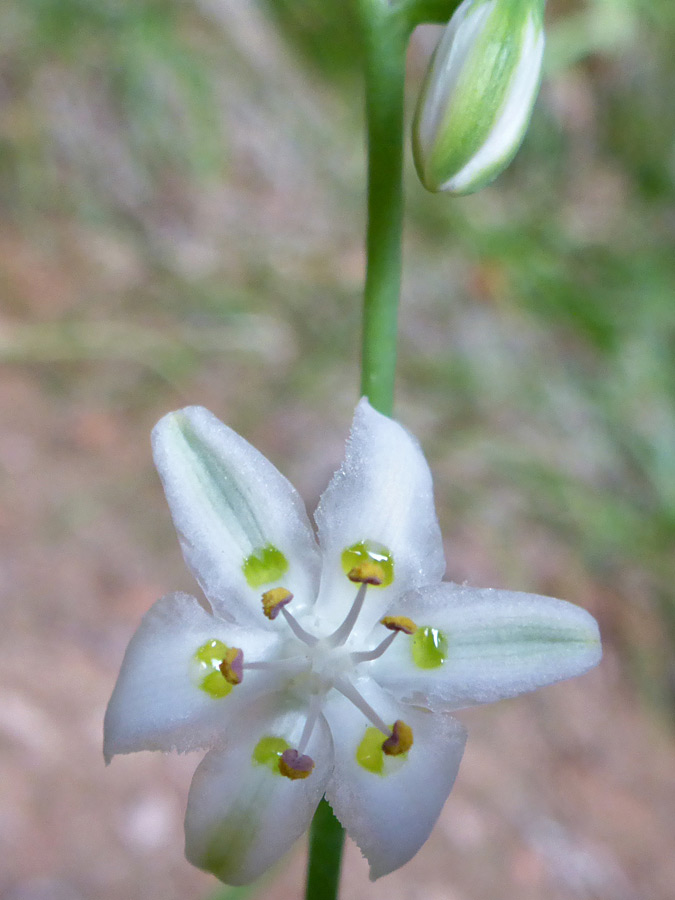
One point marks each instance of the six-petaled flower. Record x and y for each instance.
(325, 665)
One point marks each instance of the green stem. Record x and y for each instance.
(386, 35)
(386, 31)
(326, 838)
(429, 11)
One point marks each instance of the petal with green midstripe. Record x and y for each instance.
(242, 526)
(479, 645)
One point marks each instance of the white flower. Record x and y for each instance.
(478, 94)
(320, 668)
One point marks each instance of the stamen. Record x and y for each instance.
(393, 623)
(366, 655)
(232, 666)
(363, 574)
(296, 664)
(312, 717)
(399, 623)
(367, 573)
(347, 689)
(298, 630)
(340, 635)
(274, 600)
(400, 740)
(294, 765)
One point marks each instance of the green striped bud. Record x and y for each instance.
(478, 94)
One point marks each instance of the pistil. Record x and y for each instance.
(294, 763)
(365, 574)
(367, 655)
(347, 689)
(279, 665)
(298, 630)
(312, 717)
(395, 624)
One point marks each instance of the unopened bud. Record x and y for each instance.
(478, 95)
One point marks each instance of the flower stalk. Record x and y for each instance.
(364, 718)
(386, 30)
(386, 34)
(326, 840)
(349, 695)
(385, 40)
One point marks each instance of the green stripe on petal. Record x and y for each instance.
(219, 485)
(241, 524)
(242, 816)
(497, 644)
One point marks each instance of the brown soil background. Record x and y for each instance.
(568, 794)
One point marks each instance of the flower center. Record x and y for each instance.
(317, 665)
(325, 664)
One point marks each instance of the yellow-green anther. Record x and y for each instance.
(369, 552)
(211, 654)
(265, 565)
(429, 648)
(268, 752)
(478, 94)
(209, 658)
(369, 753)
(215, 685)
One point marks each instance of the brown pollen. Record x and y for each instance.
(367, 573)
(399, 623)
(400, 740)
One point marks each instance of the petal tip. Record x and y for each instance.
(176, 419)
(365, 410)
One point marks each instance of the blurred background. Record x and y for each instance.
(181, 202)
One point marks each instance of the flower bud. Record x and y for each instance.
(478, 94)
